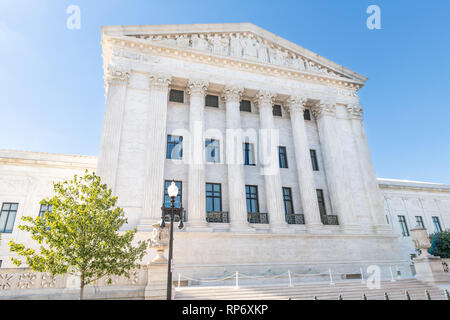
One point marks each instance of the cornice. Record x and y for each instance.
(119, 44)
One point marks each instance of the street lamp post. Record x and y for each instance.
(172, 190)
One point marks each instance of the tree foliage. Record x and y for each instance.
(440, 244)
(81, 232)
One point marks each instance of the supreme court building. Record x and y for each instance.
(265, 141)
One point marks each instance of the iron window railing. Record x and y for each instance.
(257, 217)
(295, 218)
(330, 219)
(217, 217)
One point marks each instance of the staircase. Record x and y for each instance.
(348, 289)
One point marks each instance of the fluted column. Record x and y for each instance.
(116, 80)
(338, 181)
(373, 193)
(268, 151)
(234, 158)
(156, 150)
(196, 172)
(307, 186)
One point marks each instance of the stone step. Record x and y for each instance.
(350, 290)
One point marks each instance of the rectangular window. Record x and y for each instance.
(8, 216)
(174, 147)
(315, 164)
(419, 221)
(246, 106)
(287, 198)
(44, 208)
(213, 197)
(306, 114)
(276, 110)
(249, 154)
(212, 150)
(178, 199)
(212, 101)
(437, 224)
(251, 193)
(321, 202)
(403, 226)
(282, 157)
(176, 96)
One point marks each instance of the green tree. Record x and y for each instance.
(440, 244)
(81, 232)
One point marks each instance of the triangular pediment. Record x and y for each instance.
(242, 41)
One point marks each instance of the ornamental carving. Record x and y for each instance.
(117, 73)
(324, 108)
(26, 280)
(5, 281)
(232, 93)
(48, 281)
(264, 98)
(197, 87)
(241, 45)
(355, 111)
(296, 103)
(160, 80)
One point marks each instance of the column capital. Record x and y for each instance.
(355, 111)
(264, 98)
(296, 103)
(232, 93)
(117, 74)
(324, 107)
(197, 87)
(160, 80)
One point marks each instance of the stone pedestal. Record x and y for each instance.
(430, 269)
(156, 288)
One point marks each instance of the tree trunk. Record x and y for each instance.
(81, 290)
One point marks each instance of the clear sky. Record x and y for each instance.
(51, 78)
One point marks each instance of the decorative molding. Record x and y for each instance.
(160, 81)
(232, 93)
(264, 98)
(245, 45)
(296, 103)
(344, 86)
(324, 107)
(197, 87)
(117, 74)
(355, 111)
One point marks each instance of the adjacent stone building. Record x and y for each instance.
(265, 141)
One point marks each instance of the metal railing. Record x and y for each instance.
(295, 218)
(217, 217)
(257, 217)
(330, 220)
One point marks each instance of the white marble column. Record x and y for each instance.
(235, 160)
(156, 150)
(116, 80)
(268, 151)
(307, 186)
(338, 182)
(196, 173)
(374, 196)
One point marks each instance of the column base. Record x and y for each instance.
(156, 288)
(351, 228)
(314, 227)
(198, 226)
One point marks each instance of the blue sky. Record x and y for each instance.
(51, 83)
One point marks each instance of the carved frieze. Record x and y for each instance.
(240, 45)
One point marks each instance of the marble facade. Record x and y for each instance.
(235, 62)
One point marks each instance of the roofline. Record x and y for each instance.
(228, 27)
(408, 184)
